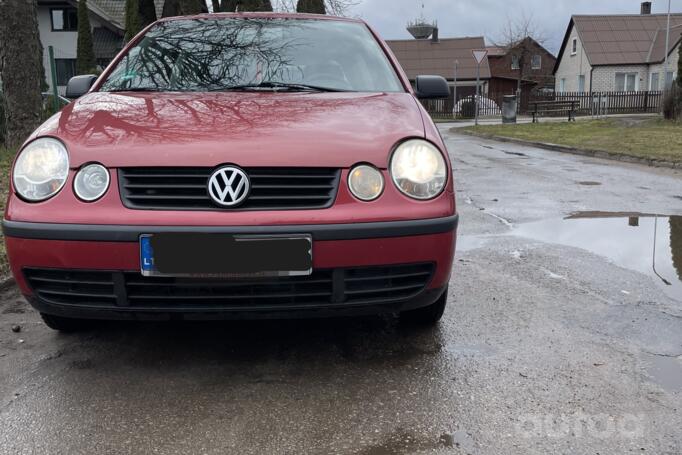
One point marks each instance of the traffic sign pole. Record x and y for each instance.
(478, 79)
(479, 55)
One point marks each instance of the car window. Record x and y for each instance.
(214, 54)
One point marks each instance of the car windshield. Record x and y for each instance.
(255, 54)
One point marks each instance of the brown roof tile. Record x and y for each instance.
(625, 39)
(426, 57)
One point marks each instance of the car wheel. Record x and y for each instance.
(66, 325)
(427, 315)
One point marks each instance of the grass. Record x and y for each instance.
(642, 138)
(6, 157)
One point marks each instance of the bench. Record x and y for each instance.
(555, 107)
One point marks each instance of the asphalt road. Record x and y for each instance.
(552, 343)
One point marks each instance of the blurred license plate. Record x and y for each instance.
(187, 254)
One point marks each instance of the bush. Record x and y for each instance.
(672, 103)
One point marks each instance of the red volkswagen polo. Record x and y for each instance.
(237, 166)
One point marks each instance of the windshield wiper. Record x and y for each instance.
(275, 86)
(136, 89)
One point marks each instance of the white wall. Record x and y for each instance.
(659, 68)
(604, 77)
(571, 66)
(64, 43)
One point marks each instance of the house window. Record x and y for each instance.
(581, 83)
(515, 62)
(66, 69)
(562, 84)
(669, 78)
(64, 19)
(536, 62)
(654, 81)
(574, 46)
(626, 82)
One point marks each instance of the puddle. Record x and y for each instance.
(665, 371)
(589, 183)
(645, 243)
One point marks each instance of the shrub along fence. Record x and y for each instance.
(594, 103)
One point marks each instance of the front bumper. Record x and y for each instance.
(353, 251)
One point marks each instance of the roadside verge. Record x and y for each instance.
(623, 157)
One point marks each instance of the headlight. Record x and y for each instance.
(418, 169)
(41, 169)
(91, 182)
(365, 182)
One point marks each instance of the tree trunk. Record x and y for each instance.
(229, 6)
(21, 68)
(147, 12)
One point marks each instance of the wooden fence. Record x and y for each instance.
(595, 103)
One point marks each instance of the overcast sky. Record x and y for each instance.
(487, 17)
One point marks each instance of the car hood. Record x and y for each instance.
(244, 128)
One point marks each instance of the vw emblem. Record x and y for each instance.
(228, 186)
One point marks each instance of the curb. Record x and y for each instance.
(575, 151)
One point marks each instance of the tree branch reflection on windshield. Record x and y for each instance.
(276, 54)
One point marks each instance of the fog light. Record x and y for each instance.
(365, 182)
(91, 182)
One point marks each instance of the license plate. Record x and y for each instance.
(210, 255)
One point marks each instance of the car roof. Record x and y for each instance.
(260, 15)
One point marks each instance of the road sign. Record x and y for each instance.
(479, 54)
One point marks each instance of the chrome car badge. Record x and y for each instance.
(228, 186)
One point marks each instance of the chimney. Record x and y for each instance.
(434, 36)
(646, 8)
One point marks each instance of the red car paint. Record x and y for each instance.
(249, 129)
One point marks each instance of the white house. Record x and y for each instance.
(618, 52)
(58, 27)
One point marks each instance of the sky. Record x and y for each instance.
(488, 17)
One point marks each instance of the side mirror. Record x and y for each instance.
(79, 86)
(429, 87)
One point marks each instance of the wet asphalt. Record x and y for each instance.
(553, 342)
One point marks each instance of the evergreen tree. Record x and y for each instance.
(255, 5)
(147, 12)
(311, 6)
(85, 54)
(133, 24)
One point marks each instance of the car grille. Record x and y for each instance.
(324, 288)
(278, 188)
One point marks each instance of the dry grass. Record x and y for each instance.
(643, 138)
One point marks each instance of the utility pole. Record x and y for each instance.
(667, 43)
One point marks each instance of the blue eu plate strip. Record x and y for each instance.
(146, 254)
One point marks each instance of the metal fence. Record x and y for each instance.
(589, 103)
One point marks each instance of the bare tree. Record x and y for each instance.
(21, 68)
(333, 7)
(519, 39)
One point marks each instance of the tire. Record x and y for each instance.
(65, 325)
(428, 315)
